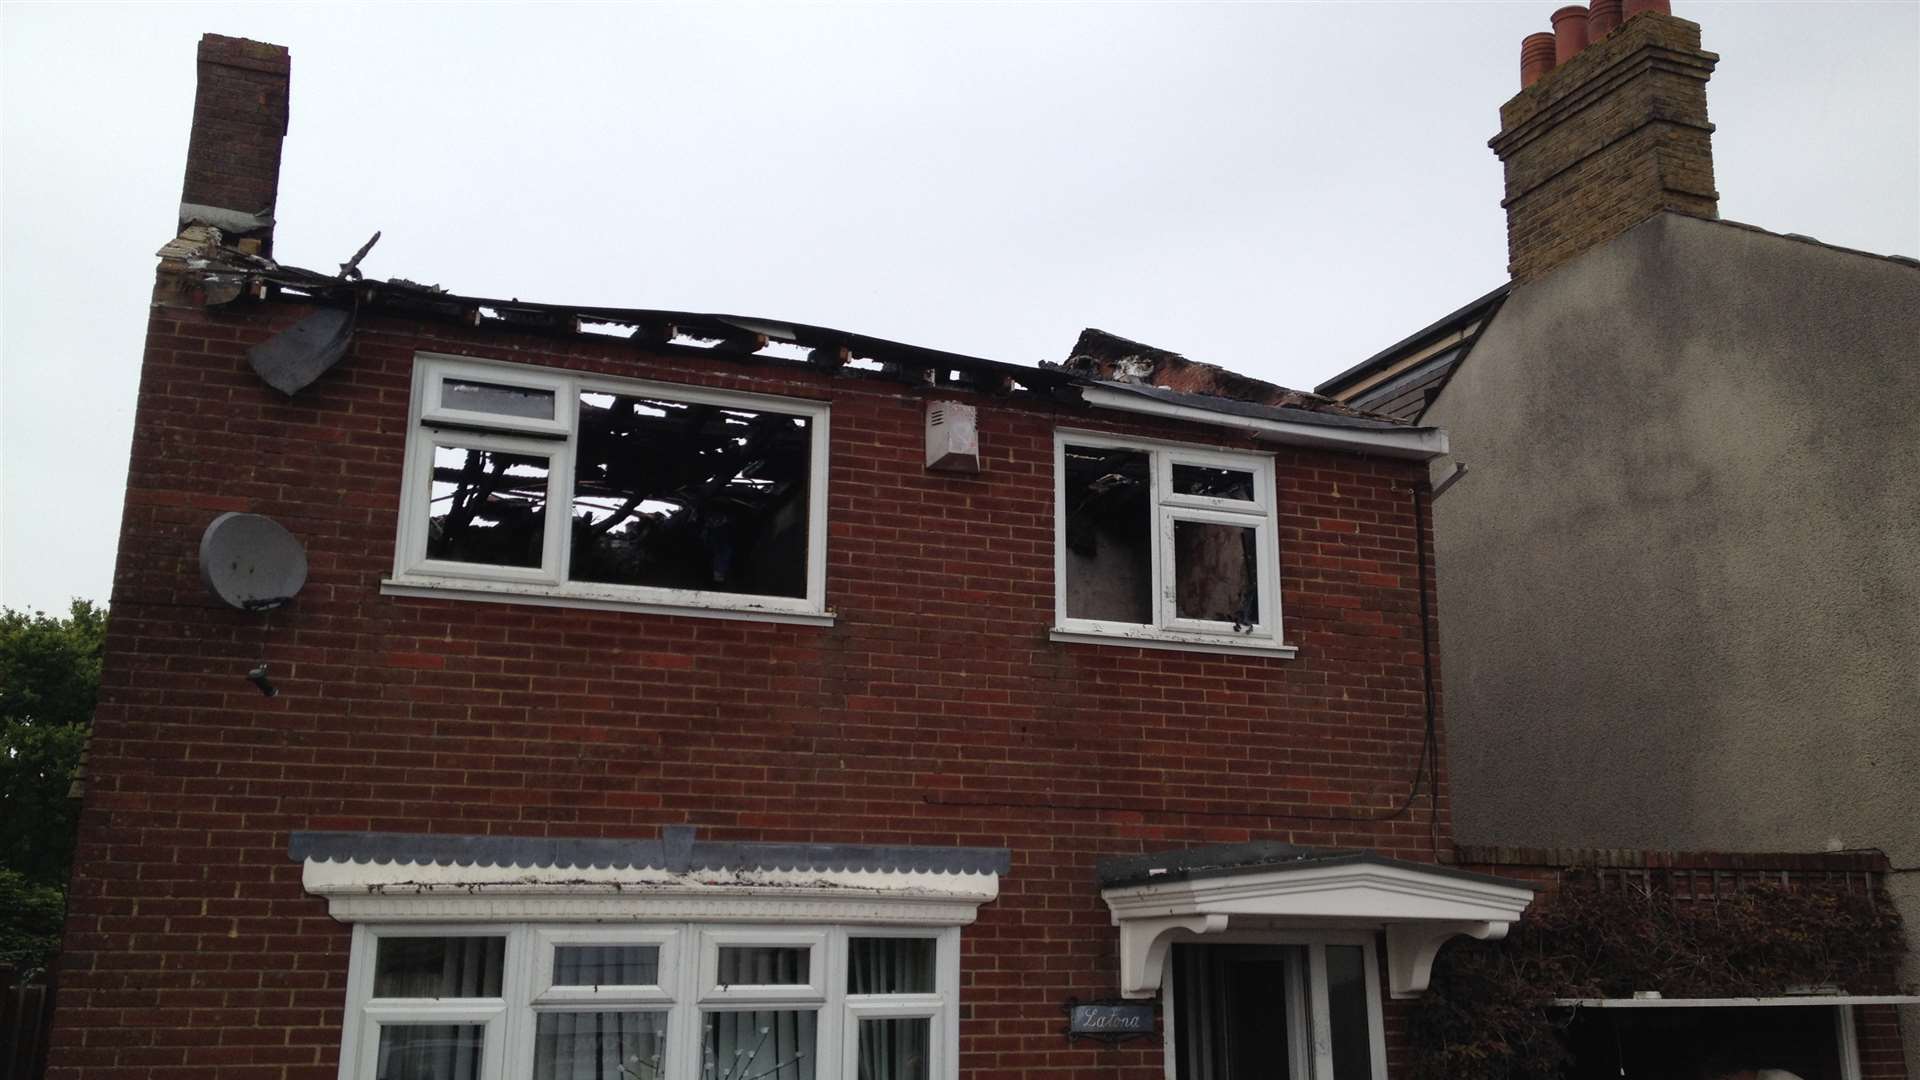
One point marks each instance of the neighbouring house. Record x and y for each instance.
(1680, 577)
(693, 696)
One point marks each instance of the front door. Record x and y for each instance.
(1273, 1012)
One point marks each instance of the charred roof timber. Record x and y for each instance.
(199, 269)
(222, 254)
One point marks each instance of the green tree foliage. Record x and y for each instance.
(30, 919)
(49, 680)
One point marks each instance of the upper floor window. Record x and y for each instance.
(576, 488)
(1165, 544)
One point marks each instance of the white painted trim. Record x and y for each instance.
(547, 938)
(1847, 1038)
(1201, 643)
(1738, 1003)
(1418, 909)
(1319, 1021)
(520, 377)
(503, 592)
(814, 990)
(1413, 947)
(410, 892)
(1420, 444)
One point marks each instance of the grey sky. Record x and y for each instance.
(1280, 188)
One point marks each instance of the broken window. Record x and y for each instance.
(1165, 542)
(681, 495)
(487, 507)
(668, 495)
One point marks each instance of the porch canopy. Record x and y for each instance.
(1158, 899)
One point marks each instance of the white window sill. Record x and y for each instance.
(1150, 638)
(506, 592)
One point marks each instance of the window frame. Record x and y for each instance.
(431, 424)
(1169, 630)
(1307, 1014)
(685, 991)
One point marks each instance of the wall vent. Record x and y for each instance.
(953, 437)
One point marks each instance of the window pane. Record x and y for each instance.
(599, 1046)
(429, 1052)
(680, 496)
(488, 507)
(768, 1045)
(496, 399)
(756, 965)
(606, 965)
(1109, 556)
(890, 965)
(1216, 572)
(438, 967)
(896, 1049)
(1347, 1012)
(1213, 483)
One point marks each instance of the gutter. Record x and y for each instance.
(1417, 443)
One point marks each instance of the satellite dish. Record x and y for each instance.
(250, 562)
(293, 358)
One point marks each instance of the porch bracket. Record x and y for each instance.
(1143, 948)
(1412, 946)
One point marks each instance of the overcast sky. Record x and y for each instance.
(1280, 188)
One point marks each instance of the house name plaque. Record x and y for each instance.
(1107, 1021)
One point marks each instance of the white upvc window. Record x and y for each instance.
(677, 1001)
(1306, 1005)
(548, 486)
(1166, 545)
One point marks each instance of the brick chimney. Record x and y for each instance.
(233, 155)
(1612, 134)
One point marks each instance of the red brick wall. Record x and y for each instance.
(935, 711)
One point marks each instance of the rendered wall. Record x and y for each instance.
(935, 711)
(1682, 580)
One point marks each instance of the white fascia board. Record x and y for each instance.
(434, 892)
(1420, 910)
(1351, 891)
(1419, 444)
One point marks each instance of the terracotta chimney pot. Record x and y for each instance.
(1536, 58)
(1569, 33)
(1602, 17)
(1634, 7)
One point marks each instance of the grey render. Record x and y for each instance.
(1680, 587)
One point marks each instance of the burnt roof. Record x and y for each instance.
(221, 274)
(1123, 363)
(1451, 322)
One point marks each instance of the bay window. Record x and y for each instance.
(680, 1001)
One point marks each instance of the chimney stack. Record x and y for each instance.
(1609, 128)
(233, 154)
(1569, 33)
(1602, 17)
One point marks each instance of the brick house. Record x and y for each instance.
(867, 706)
(1696, 439)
